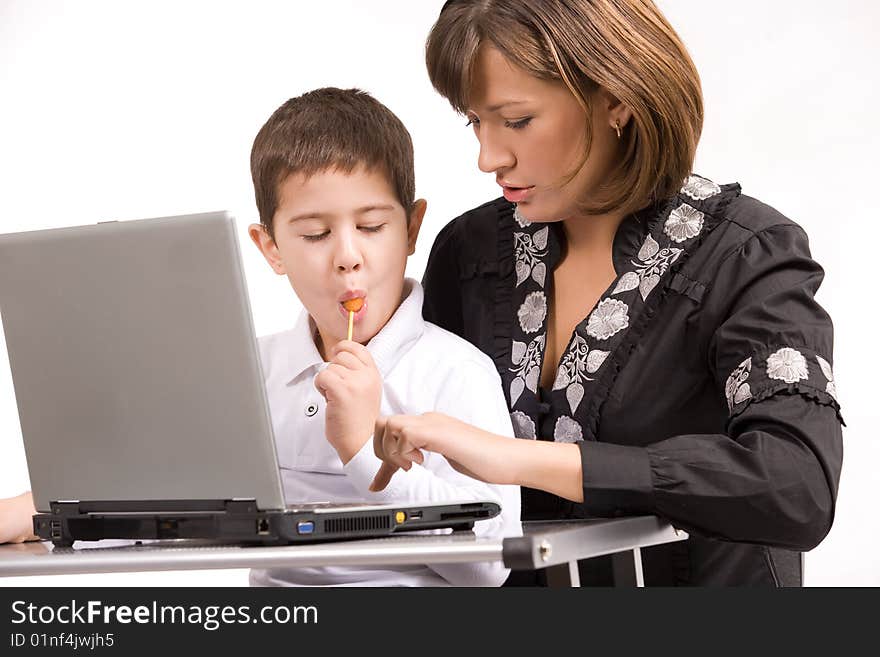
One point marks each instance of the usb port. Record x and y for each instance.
(55, 529)
(415, 515)
(305, 527)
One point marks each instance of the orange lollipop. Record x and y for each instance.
(352, 306)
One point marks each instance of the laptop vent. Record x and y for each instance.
(359, 524)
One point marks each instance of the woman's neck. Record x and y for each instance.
(592, 233)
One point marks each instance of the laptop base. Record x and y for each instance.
(240, 521)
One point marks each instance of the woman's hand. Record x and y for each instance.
(399, 440)
(16, 519)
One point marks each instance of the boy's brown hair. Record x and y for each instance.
(325, 129)
(624, 46)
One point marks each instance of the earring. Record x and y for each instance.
(617, 128)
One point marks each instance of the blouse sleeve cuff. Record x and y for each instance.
(617, 479)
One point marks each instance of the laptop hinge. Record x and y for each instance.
(82, 507)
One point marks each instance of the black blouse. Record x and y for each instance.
(699, 388)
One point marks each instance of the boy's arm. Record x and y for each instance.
(352, 387)
(16, 519)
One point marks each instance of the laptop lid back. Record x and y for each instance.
(135, 364)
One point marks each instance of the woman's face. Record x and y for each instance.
(532, 135)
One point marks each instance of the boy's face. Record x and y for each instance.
(339, 236)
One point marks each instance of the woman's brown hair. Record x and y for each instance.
(623, 46)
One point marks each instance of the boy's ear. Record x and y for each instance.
(267, 247)
(415, 224)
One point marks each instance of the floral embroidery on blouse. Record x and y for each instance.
(567, 430)
(736, 389)
(529, 250)
(653, 263)
(527, 359)
(825, 366)
(700, 189)
(684, 223)
(669, 236)
(520, 219)
(609, 317)
(578, 359)
(523, 426)
(787, 365)
(532, 312)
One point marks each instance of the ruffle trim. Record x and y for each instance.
(505, 286)
(714, 209)
(716, 206)
(770, 370)
(802, 388)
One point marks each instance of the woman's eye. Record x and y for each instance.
(316, 237)
(372, 229)
(519, 124)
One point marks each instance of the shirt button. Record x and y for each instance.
(311, 409)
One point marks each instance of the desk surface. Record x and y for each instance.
(542, 544)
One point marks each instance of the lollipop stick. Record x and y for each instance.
(352, 306)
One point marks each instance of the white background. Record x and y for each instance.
(125, 110)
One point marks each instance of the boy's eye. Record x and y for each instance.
(372, 229)
(518, 124)
(316, 236)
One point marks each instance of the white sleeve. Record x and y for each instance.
(474, 396)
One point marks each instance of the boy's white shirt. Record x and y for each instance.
(424, 368)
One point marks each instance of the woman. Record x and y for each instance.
(656, 333)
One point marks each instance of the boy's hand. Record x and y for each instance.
(352, 386)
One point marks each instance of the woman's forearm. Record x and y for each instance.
(490, 457)
(549, 466)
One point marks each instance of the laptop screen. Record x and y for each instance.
(134, 362)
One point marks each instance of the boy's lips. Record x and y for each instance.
(353, 294)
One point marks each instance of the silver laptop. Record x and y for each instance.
(140, 394)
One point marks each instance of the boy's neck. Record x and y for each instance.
(324, 344)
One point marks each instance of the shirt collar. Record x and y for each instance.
(400, 332)
(302, 354)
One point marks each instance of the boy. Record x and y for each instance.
(334, 185)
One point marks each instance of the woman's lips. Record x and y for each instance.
(516, 194)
